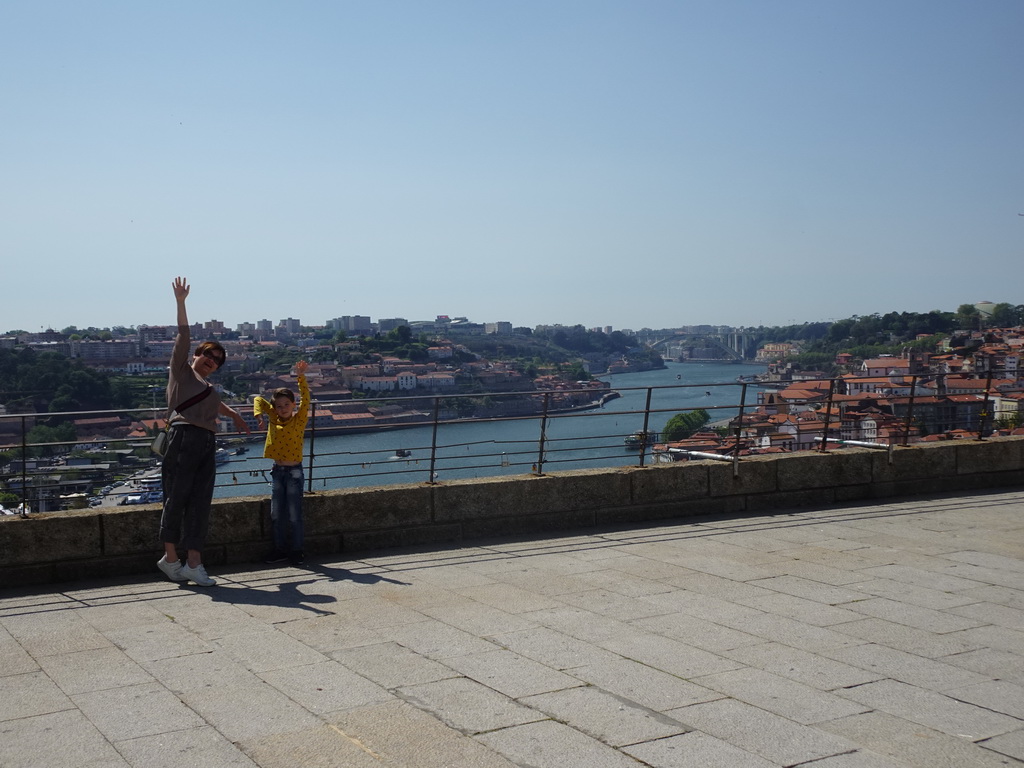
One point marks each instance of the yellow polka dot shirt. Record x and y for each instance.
(284, 438)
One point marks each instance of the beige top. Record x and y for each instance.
(184, 383)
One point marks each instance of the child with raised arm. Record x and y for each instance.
(287, 423)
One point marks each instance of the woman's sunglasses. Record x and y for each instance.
(211, 355)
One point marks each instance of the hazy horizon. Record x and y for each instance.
(233, 326)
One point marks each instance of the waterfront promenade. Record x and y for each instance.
(862, 636)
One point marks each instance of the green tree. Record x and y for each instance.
(1004, 315)
(62, 433)
(576, 372)
(402, 334)
(682, 425)
(967, 316)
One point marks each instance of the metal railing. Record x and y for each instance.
(539, 430)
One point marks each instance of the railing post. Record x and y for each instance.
(910, 410)
(24, 468)
(828, 415)
(539, 469)
(433, 439)
(647, 420)
(985, 407)
(312, 446)
(739, 422)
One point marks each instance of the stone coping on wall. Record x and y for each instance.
(67, 546)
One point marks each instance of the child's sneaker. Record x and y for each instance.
(275, 556)
(297, 558)
(172, 569)
(198, 575)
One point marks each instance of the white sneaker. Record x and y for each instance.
(172, 569)
(198, 575)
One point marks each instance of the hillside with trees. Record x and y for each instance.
(50, 382)
(868, 336)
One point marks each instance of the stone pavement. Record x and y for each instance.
(862, 636)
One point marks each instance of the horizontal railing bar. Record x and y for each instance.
(548, 408)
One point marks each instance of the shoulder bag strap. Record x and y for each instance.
(194, 399)
(190, 402)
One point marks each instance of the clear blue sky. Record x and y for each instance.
(640, 163)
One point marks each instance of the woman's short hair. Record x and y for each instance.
(212, 346)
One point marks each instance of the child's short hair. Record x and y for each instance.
(283, 392)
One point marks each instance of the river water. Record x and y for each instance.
(586, 439)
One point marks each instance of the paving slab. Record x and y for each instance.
(996, 695)
(927, 619)
(773, 737)
(436, 640)
(858, 759)
(250, 713)
(200, 747)
(858, 636)
(56, 740)
(400, 735)
(31, 693)
(695, 750)
(991, 663)
(920, 671)
(993, 613)
(51, 632)
(816, 671)
(196, 671)
(913, 744)
(326, 687)
(136, 710)
(322, 746)
(262, 652)
(932, 709)
(645, 685)
(918, 641)
(15, 660)
(96, 670)
(553, 648)
(151, 642)
(330, 633)
(780, 695)
(614, 720)
(915, 594)
(549, 744)
(1009, 744)
(391, 665)
(468, 706)
(511, 674)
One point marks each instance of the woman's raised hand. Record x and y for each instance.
(181, 287)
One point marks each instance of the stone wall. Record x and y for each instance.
(67, 546)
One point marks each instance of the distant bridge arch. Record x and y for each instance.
(738, 345)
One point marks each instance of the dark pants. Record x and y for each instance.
(188, 474)
(286, 508)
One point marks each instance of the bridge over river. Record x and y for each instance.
(676, 345)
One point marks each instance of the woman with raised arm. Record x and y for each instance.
(189, 468)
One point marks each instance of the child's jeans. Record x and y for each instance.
(286, 508)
